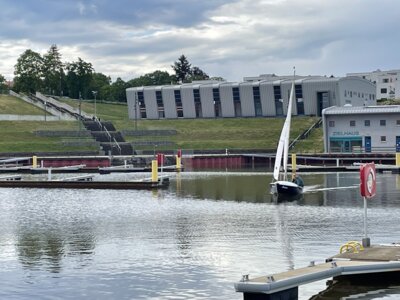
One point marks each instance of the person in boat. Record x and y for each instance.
(297, 180)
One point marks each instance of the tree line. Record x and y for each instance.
(48, 74)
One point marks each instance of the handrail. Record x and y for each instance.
(305, 133)
(115, 141)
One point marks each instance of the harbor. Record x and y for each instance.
(193, 239)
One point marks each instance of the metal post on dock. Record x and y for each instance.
(367, 190)
(49, 174)
(34, 161)
(154, 171)
(365, 241)
(178, 160)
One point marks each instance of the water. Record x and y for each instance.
(191, 241)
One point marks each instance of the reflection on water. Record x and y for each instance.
(191, 241)
(384, 286)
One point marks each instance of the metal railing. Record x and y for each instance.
(112, 139)
(305, 134)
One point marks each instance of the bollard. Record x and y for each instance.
(154, 171)
(49, 174)
(178, 163)
(34, 161)
(294, 163)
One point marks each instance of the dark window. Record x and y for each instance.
(217, 103)
(257, 101)
(142, 105)
(236, 102)
(236, 94)
(382, 122)
(160, 104)
(367, 123)
(196, 96)
(197, 103)
(383, 138)
(299, 99)
(398, 122)
(159, 99)
(385, 80)
(331, 123)
(352, 123)
(178, 103)
(278, 100)
(384, 91)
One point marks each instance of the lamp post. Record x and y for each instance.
(136, 108)
(45, 111)
(80, 111)
(95, 109)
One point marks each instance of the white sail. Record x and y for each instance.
(283, 145)
(288, 120)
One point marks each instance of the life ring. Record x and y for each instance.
(351, 247)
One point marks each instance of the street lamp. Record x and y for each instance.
(95, 109)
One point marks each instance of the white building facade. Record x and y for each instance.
(368, 129)
(265, 97)
(387, 83)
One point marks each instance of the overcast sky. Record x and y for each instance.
(230, 39)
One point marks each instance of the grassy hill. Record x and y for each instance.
(198, 134)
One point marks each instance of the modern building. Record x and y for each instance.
(262, 96)
(387, 83)
(362, 129)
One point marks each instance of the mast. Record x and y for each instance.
(288, 120)
(283, 144)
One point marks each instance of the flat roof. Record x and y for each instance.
(355, 110)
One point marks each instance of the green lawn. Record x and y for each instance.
(10, 105)
(192, 134)
(19, 136)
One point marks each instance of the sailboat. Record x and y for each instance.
(280, 184)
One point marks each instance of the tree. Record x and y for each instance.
(53, 71)
(155, 78)
(28, 72)
(78, 78)
(182, 69)
(3, 85)
(119, 90)
(197, 74)
(99, 80)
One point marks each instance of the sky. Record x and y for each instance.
(231, 39)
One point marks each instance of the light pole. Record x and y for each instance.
(136, 108)
(80, 112)
(95, 109)
(45, 111)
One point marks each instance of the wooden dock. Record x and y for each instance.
(381, 259)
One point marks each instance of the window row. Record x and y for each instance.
(367, 123)
(359, 95)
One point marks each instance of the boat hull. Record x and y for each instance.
(286, 188)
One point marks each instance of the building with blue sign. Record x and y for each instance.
(362, 129)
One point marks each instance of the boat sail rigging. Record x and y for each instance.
(281, 183)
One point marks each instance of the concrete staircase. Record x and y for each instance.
(104, 132)
(111, 141)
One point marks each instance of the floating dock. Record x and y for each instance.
(85, 184)
(370, 262)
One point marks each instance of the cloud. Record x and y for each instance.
(232, 39)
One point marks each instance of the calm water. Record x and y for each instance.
(191, 241)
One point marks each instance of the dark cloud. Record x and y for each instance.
(225, 38)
